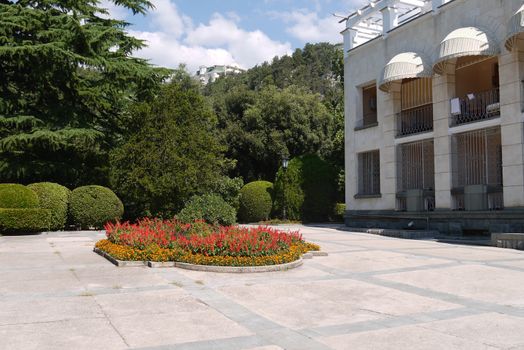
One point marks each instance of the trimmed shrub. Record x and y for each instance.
(93, 206)
(28, 220)
(17, 196)
(210, 208)
(54, 197)
(255, 201)
(307, 189)
(339, 211)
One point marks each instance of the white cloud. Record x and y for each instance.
(309, 27)
(173, 39)
(114, 11)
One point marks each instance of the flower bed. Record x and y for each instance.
(202, 244)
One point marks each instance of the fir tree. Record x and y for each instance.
(66, 77)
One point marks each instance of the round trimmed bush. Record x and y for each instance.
(210, 208)
(24, 220)
(54, 197)
(255, 201)
(93, 206)
(17, 196)
(307, 189)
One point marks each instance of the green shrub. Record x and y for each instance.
(93, 206)
(17, 196)
(307, 189)
(209, 207)
(24, 220)
(339, 211)
(54, 197)
(255, 201)
(229, 189)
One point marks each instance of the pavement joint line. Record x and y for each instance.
(428, 293)
(391, 322)
(406, 251)
(53, 321)
(458, 337)
(102, 311)
(215, 344)
(507, 267)
(249, 319)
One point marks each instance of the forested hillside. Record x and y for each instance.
(286, 108)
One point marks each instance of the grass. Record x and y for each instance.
(178, 284)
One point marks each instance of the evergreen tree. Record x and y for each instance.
(173, 153)
(67, 76)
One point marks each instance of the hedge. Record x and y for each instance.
(307, 189)
(54, 197)
(210, 208)
(255, 201)
(29, 220)
(93, 206)
(17, 196)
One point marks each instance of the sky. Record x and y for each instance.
(235, 32)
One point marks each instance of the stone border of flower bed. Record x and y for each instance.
(211, 268)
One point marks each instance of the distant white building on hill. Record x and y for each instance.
(210, 74)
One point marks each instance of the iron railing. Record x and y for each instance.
(476, 107)
(415, 120)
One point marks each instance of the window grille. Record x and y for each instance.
(416, 166)
(477, 160)
(416, 176)
(369, 173)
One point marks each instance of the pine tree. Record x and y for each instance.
(66, 77)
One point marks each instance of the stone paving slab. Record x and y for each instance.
(371, 292)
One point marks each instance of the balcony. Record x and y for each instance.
(415, 120)
(475, 107)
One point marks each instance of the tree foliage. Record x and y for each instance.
(173, 154)
(306, 189)
(67, 78)
(289, 107)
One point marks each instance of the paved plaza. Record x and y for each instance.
(371, 292)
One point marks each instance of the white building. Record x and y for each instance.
(210, 74)
(434, 115)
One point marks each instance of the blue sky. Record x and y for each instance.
(241, 32)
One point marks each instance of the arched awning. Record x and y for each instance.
(403, 66)
(462, 42)
(515, 27)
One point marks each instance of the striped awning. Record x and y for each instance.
(515, 27)
(462, 42)
(404, 66)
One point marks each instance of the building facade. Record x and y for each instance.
(434, 115)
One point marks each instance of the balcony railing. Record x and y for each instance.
(475, 107)
(415, 120)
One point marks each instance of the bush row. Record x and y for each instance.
(306, 191)
(50, 206)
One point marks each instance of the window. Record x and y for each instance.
(369, 106)
(369, 173)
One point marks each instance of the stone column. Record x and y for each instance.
(511, 72)
(389, 18)
(390, 102)
(349, 40)
(443, 92)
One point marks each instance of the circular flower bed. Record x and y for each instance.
(202, 244)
